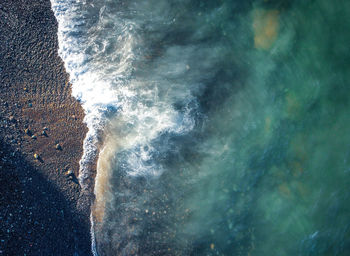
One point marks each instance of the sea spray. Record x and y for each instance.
(100, 71)
(93, 89)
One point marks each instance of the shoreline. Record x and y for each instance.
(43, 209)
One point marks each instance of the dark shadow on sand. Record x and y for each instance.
(36, 218)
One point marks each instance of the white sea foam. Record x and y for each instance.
(100, 65)
(129, 102)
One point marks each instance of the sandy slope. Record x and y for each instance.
(42, 209)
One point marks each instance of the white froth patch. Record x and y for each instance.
(99, 48)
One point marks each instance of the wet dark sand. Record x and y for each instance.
(42, 209)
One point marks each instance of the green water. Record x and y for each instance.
(227, 123)
(274, 173)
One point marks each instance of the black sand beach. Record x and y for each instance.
(42, 208)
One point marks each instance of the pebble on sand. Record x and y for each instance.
(69, 173)
(58, 146)
(27, 131)
(34, 137)
(36, 156)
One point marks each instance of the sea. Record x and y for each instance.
(221, 127)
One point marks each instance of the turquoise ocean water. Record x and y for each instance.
(225, 124)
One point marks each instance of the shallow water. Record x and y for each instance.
(224, 124)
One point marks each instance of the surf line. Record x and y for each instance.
(70, 52)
